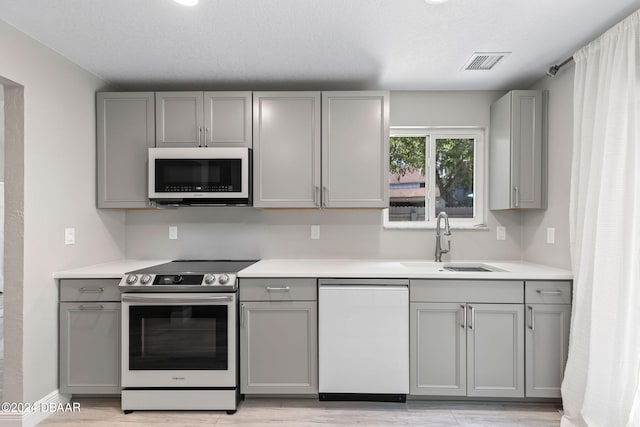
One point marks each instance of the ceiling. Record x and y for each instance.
(314, 44)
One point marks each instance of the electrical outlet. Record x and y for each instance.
(70, 236)
(551, 235)
(501, 233)
(173, 232)
(315, 232)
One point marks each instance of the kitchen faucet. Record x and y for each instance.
(447, 232)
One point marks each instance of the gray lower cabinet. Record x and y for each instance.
(495, 350)
(278, 336)
(125, 131)
(89, 336)
(547, 336)
(467, 338)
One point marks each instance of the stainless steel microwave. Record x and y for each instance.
(200, 176)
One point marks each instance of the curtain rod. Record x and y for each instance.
(554, 69)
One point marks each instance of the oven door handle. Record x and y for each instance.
(173, 300)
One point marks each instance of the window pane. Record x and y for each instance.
(406, 178)
(454, 177)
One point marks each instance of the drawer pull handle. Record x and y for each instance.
(541, 292)
(91, 307)
(92, 290)
(278, 289)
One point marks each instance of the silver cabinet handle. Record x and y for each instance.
(91, 290)
(464, 313)
(541, 292)
(517, 201)
(278, 288)
(473, 318)
(242, 315)
(199, 137)
(316, 196)
(206, 142)
(532, 323)
(324, 196)
(91, 307)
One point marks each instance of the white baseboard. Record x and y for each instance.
(31, 418)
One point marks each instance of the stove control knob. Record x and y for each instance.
(132, 279)
(146, 278)
(209, 279)
(223, 279)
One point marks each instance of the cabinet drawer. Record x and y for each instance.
(89, 290)
(547, 292)
(490, 291)
(278, 290)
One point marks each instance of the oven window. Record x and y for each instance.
(180, 337)
(195, 175)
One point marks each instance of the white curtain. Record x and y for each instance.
(602, 378)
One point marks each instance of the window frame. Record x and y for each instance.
(431, 134)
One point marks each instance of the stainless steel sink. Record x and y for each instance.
(465, 268)
(470, 268)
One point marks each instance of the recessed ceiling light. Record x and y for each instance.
(435, 1)
(187, 2)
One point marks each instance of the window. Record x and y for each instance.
(434, 170)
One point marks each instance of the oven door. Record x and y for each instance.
(199, 173)
(179, 340)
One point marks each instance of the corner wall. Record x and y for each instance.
(560, 145)
(58, 177)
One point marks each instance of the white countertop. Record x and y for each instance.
(108, 270)
(343, 268)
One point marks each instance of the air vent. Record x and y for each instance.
(484, 60)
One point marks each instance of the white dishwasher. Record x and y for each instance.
(363, 339)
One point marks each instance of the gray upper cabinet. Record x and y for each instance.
(516, 151)
(286, 153)
(89, 336)
(294, 167)
(355, 149)
(547, 336)
(199, 119)
(125, 130)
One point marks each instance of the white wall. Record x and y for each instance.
(59, 192)
(560, 143)
(253, 233)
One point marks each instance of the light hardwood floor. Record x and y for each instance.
(309, 412)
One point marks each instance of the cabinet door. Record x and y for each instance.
(90, 347)
(278, 347)
(526, 145)
(438, 349)
(125, 131)
(227, 119)
(495, 350)
(179, 119)
(547, 341)
(516, 151)
(355, 149)
(286, 166)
